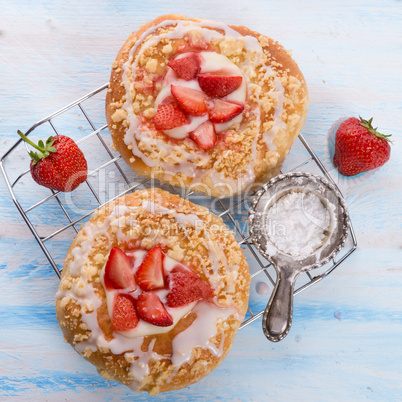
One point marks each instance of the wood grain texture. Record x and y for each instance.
(345, 342)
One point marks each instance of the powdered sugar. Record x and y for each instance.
(298, 223)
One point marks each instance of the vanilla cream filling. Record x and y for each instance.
(190, 162)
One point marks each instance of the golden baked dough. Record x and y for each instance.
(250, 148)
(187, 233)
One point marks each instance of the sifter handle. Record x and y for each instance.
(277, 317)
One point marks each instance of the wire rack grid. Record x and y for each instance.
(54, 229)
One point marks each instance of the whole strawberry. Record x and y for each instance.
(59, 165)
(360, 147)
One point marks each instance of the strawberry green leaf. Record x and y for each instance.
(44, 149)
(50, 141)
(35, 157)
(368, 125)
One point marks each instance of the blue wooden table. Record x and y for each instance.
(346, 338)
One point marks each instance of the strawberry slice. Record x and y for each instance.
(150, 273)
(124, 315)
(151, 309)
(118, 274)
(186, 67)
(190, 100)
(185, 288)
(204, 135)
(169, 116)
(218, 86)
(223, 111)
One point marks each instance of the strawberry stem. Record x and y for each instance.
(26, 139)
(44, 149)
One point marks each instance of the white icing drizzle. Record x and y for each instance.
(198, 334)
(139, 368)
(90, 302)
(81, 253)
(193, 162)
(279, 95)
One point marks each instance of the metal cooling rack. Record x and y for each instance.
(64, 221)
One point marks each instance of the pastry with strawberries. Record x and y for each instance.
(153, 291)
(203, 105)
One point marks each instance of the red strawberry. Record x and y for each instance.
(190, 100)
(118, 274)
(224, 111)
(204, 135)
(186, 287)
(186, 67)
(169, 116)
(151, 309)
(124, 314)
(60, 165)
(218, 86)
(150, 273)
(360, 147)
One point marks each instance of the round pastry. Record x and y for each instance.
(153, 291)
(204, 106)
